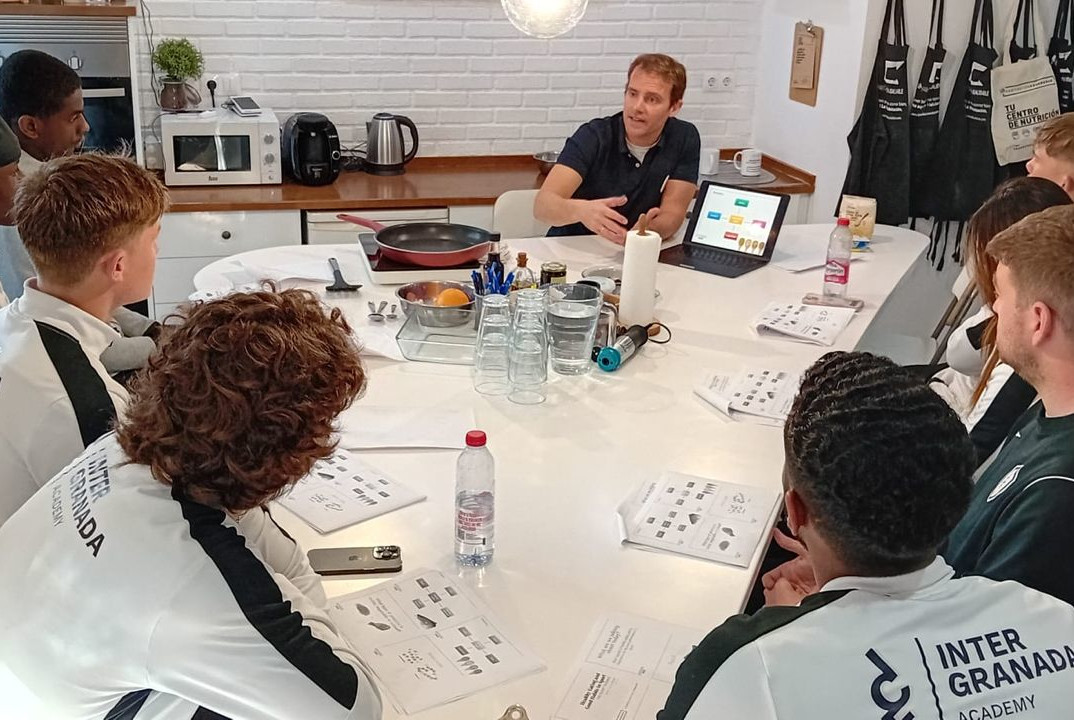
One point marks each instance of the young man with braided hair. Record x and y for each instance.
(147, 580)
(877, 472)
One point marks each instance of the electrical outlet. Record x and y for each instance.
(154, 155)
(227, 84)
(719, 81)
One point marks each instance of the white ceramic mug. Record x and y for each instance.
(748, 162)
(710, 162)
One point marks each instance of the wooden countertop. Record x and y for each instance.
(114, 8)
(428, 182)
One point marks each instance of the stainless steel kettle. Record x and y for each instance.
(384, 149)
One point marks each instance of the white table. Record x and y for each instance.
(564, 466)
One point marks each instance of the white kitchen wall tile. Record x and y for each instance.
(459, 66)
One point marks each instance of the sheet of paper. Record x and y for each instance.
(343, 490)
(290, 265)
(429, 640)
(369, 426)
(626, 669)
(804, 256)
(803, 323)
(805, 59)
(761, 395)
(699, 517)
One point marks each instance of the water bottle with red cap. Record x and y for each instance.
(837, 267)
(475, 487)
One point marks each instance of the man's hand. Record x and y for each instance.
(653, 214)
(794, 579)
(600, 217)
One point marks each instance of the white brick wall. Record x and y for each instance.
(471, 82)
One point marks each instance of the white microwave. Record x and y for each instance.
(217, 147)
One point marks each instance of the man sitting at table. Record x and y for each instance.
(147, 579)
(1053, 152)
(640, 160)
(90, 223)
(877, 472)
(41, 100)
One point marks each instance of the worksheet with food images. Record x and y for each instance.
(626, 670)
(429, 640)
(761, 395)
(342, 490)
(699, 517)
(814, 324)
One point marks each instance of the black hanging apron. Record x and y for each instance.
(880, 141)
(925, 117)
(964, 170)
(1061, 55)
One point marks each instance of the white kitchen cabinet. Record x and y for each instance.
(190, 241)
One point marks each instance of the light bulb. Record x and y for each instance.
(544, 18)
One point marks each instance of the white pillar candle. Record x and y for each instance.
(636, 297)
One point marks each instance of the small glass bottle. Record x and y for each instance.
(524, 277)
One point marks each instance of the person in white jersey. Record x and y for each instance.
(90, 223)
(147, 580)
(877, 473)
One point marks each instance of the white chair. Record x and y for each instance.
(512, 215)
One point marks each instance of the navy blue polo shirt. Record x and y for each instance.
(598, 152)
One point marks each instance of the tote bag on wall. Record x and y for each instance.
(1024, 93)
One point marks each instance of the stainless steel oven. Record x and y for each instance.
(97, 49)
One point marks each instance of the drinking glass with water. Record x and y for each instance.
(573, 311)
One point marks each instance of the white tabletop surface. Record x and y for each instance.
(564, 466)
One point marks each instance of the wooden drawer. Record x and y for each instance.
(220, 234)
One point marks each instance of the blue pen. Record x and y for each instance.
(479, 287)
(492, 281)
(507, 283)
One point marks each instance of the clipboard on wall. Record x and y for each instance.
(805, 62)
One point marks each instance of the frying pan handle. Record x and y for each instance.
(371, 224)
(413, 136)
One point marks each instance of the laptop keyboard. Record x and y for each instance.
(719, 257)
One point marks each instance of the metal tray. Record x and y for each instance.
(452, 345)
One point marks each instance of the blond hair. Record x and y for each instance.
(1039, 251)
(1056, 137)
(666, 67)
(76, 209)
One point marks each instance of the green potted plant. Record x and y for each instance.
(180, 61)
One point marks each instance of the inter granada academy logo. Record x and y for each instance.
(891, 707)
(1005, 483)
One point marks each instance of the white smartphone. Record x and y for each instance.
(244, 105)
(356, 560)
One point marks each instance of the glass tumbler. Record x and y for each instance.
(573, 312)
(528, 354)
(491, 350)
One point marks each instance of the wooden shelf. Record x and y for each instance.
(115, 8)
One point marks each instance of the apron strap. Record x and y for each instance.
(957, 254)
(894, 23)
(936, 24)
(1064, 22)
(983, 22)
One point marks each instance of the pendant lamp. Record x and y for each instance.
(544, 18)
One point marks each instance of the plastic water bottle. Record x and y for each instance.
(475, 487)
(837, 268)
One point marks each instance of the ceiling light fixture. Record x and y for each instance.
(544, 18)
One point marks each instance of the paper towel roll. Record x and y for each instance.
(636, 298)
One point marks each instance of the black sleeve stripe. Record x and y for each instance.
(128, 706)
(723, 642)
(262, 603)
(203, 714)
(278, 526)
(89, 397)
(999, 418)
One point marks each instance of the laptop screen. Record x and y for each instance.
(735, 219)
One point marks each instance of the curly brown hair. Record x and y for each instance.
(239, 401)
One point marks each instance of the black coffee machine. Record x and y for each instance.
(310, 146)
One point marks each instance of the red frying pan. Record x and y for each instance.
(427, 244)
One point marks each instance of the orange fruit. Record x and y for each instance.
(451, 297)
